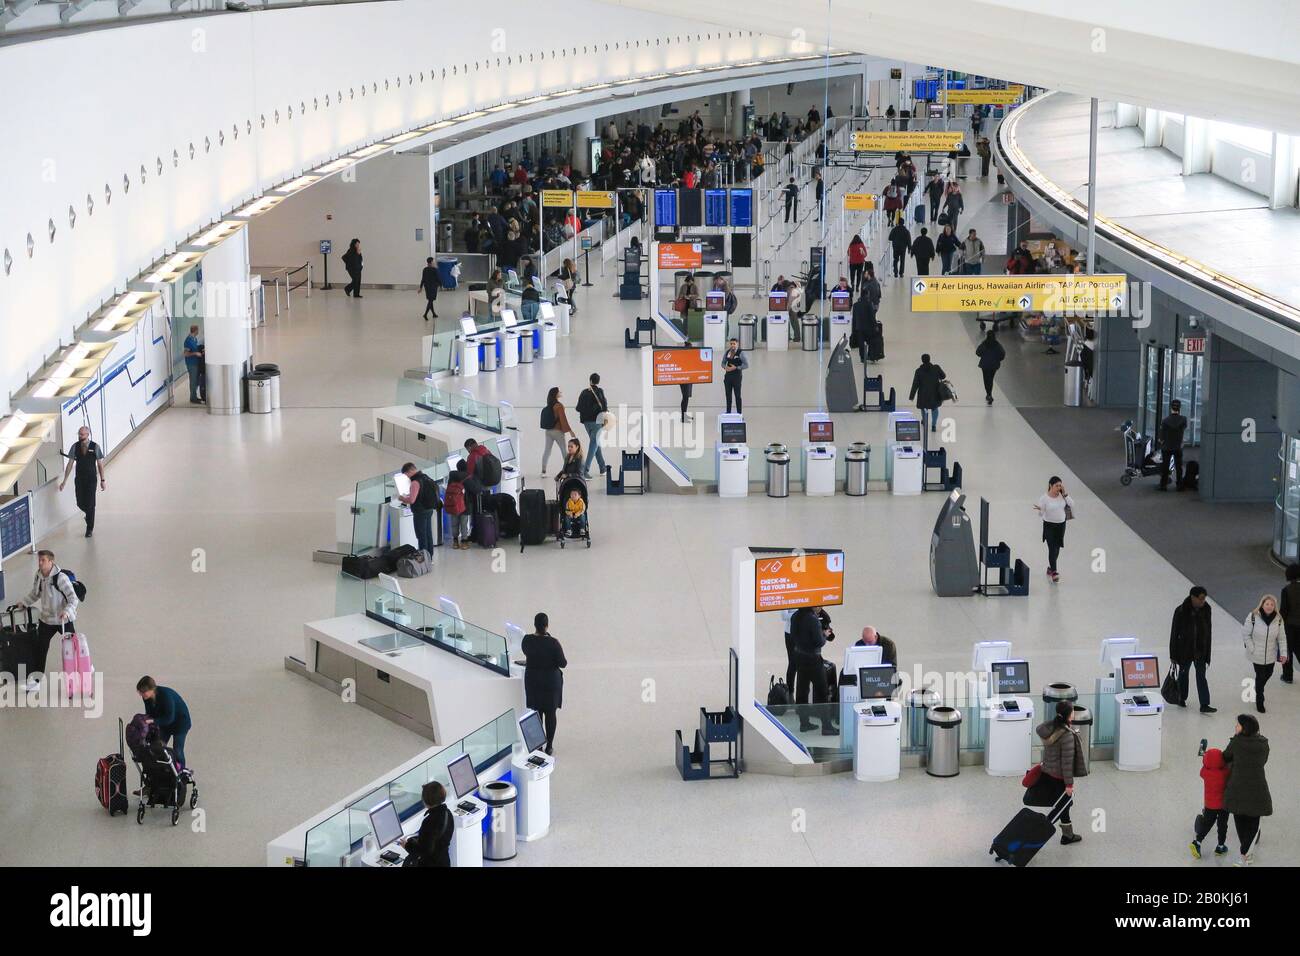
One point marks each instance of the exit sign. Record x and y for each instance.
(1194, 345)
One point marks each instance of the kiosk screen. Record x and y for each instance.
(464, 779)
(467, 326)
(385, 823)
(841, 302)
(778, 301)
(1140, 673)
(505, 450)
(733, 433)
(1010, 677)
(715, 301)
(530, 728)
(907, 430)
(820, 432)
(876, 681)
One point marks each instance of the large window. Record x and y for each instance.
(1286, 521)
(1260, 140)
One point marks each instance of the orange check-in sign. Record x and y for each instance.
(680, 255)
(793, 581)
(683, 367)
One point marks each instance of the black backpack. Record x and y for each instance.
(78, 588)
(548, 418)
(489, 470)
(778, 696)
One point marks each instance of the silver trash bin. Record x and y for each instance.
(1082, 724)
(919, 702)
(526, 347)
(778, 474)
(857, 462)
(488, 363)
(1074, 385)
(259, 393)
(223, 388)
(1055, 693)
(943, 759)
(810, 332)
(748, 334)
(272, 370)
(499, 830)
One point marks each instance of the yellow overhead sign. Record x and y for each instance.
(589, 199)
(920, 141)
(1064, 294)
(859, 201)
(557, 197)
(992, 97)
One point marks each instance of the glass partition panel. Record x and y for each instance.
(453, 404)
(368, 513)
(437, 627)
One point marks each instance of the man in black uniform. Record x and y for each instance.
(88, 459)
(430, 282)
(1171, 445)
(810, 629)
(791, 193)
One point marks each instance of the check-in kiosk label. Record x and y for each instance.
(799, 580)
(1072, 294)
(919, 141)
(680, 255)
(683, 367)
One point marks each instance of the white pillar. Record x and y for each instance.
(1150, 127)
(1282, 191)
(579, 155)
(1196, 145)
(739, 100)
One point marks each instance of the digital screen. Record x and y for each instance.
(1010, 677)
(819, 432)
(777, 301)
(467, 326)
(690, 207)
(876, 681)
(530, 728)
(715, 301)
(507, 318)
(733, 433)
(713, 249)
(841, 302)
(385, 823)
(1140, 673)
(742, 208)
(665, 208)
(682, 367)
(680, 255)
(505, 449)
(907, 430)
(15, 526)
(715, 207)
(792, 581)
(464, 779)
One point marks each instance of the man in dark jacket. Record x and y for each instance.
(901, 240)
(791, 193)
(873, 638)
(1289, 608)
(923, 252)
(934, 192)
(1190, 645)
(591, 406)
(425, 503)
(429, 284)
(1171, 445)
(990, 353)
(927, 390)
(810, 629)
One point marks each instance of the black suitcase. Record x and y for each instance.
(832, 682)
(533, 522)
(16, 640)
(365, 565)
(1028, 832)
(507, 516)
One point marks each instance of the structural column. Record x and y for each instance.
(579, 154)
(1196, 145)
(739, 100)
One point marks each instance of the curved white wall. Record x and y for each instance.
(86, 110)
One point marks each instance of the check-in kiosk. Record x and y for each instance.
(511, 476)
(467, 813)
(381, 847)
(530, 770)
(954, 564)
(878, 721)
(1139, 713)
(401, 523)
(732, 456)
(467, 346)
(841, 313)
(906, 455)
(841, 379)
(508, 339)
(715, 320)
(778, 321)
(546, 328)
(856, 657)
(818, 454)
(562, 308)
(1010, 713)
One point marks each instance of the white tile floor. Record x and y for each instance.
(643, 615)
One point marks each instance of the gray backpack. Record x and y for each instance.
(415, 566)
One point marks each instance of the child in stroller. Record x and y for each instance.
(163, 781)
(571, 492)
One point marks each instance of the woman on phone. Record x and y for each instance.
(1056, 507)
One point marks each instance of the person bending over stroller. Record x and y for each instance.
(169, 711)
(575, 514)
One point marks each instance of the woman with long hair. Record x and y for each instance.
(1264, 639)
(1056, 508)
(555, 425)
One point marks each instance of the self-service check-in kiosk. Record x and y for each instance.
(1010, 713)
(818, 454)
(856, 657)
(732, 456)
(467, 346)
(715, 320)
(401, 523)
(467, 813)
(878, 722)
(530, 771)
(1139, 713)
(546, 330)
(954, 563)
(841, 313)
(906, 455)
(508, 339)
(510, 473)
(563, 309)
(778, 321)
(841, 380)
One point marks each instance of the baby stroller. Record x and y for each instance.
(1140, 459)
(163, 781)
(568, 528)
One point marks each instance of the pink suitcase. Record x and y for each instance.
(78, 672)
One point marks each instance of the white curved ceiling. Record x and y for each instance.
(1237, 61)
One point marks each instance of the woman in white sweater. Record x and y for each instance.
(1264, 638)
(1056, 507)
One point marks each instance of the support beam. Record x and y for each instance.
(126, 6)
(70, 10)
(177, 4)
(12, 11)
(1092, 187)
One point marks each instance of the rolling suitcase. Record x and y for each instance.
(16, 640)
(484, 532)
(533, 526)
(110, 778)
(78, 672)
(1028, 832)
(832, 682)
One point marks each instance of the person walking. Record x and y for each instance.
(169, 713)
(544, 664)
(1247, 795)
(195, 367)
(1056, 508)
(569, 277)
(972, 254)
(900, 241)
(791, 193)
(1190, 645)
(56, 601)
(857, 259)
(430, 282)
(555, 424)
(923, 252)
(1289, 608)
(927, 390)
(947, 247)
(991, 354)
(1214, 772)
(953, 204)
(934, 190)
(352, 265)
(592, 408)
(1172, 430)
(1264, 639)
(810, 629)
(734, 363)
(1063, 760)
(425, 502)
(819, 192)
(985, 154)
(88, 459)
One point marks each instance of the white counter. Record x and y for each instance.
(396, 427)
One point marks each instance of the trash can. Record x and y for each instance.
(748, 332)
(259, 393)
(448, 271)
(857, 461)
(943, 759)
(778, 474)
(1074, 384)
(809, 332)
(488, 360)
(1054, 693)
(526, 347)
(1082, 724)
(273, 371)
(499, 827)
(919, 702)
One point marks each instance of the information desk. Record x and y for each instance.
(427, 689)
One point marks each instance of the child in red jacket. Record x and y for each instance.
(1215, 774)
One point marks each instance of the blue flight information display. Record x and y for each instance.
(742, 208)
(15, 526)
(665, 208)
(715, 207)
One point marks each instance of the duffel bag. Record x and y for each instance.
(415, 566)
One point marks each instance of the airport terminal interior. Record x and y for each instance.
(233, 290)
